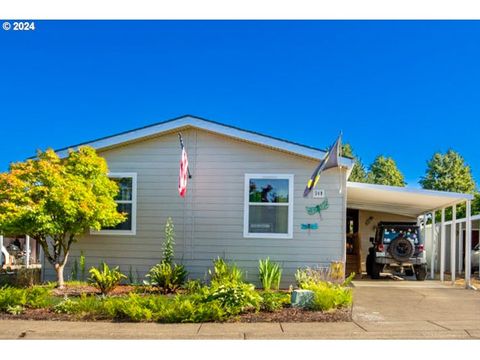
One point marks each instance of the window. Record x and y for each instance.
(126, 200)
(268, 209)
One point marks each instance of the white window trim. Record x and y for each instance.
(133, 231)
(246, 208)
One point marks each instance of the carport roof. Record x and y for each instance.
(400, 200)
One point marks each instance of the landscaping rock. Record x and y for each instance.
(302, 298)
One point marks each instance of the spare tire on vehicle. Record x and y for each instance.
(401, 249)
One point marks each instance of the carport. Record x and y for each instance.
(419, 204)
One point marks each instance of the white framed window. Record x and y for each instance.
(268, 206)
(126, 200)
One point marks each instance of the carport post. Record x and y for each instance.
(432, 256)
(453, 243)
(27, 247)
(468, 245)
(442, 246)
(460, 247)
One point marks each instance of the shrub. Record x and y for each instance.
(328, 296)
(193, 286)
(66, 306)
(270, 274)
(274, 301)
(15, 310)
(105, 278)
(87, 305)
(168, 278)
(38, 297)
(333, 274)
(34, 297)
(10, 297)
(234, 297)
(134, 308)
(224, 273)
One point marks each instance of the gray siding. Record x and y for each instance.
(209, 221)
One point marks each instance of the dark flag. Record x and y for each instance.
(330, 160)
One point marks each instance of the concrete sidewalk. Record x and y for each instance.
(433, 311)
(21, 329)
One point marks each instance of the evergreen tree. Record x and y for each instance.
(448, 172)
(359, 174)
(384, 171)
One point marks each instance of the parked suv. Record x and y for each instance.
(397, 245)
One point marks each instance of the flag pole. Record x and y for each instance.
(182, 146)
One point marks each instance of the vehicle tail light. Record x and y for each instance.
(380, 247)
(420, 248)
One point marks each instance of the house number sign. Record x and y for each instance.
(318, 193)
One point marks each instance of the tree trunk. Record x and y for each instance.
(59, 270)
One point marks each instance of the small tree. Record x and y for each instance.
(56, 200)
(359, 174)
(384, 171)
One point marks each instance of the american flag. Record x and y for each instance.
(183, 175)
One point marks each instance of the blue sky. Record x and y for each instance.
(405, 89)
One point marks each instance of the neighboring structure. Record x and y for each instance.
(244, 202)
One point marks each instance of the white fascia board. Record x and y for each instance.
(397, 189)
(189, 121)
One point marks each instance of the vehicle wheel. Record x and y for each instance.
(409, 272)
(421, 272)
(401, 249)
(369, 264)
(376, 270)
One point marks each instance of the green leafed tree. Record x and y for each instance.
(384, 171)
(359, 173)
(449, 172)
(55, 200)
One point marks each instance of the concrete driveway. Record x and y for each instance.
(412, 309)
(382, 310)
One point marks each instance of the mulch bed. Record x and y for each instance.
(284, 315)
(287, 314)
(296, 315)
(77, 290)
(37, 314)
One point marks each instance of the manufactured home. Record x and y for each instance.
(244, 202)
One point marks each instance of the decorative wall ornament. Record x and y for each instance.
(313, 226)
(309, 227)
(312, 210)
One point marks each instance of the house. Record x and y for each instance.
(244, 202)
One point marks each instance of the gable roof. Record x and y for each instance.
(187, 121)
